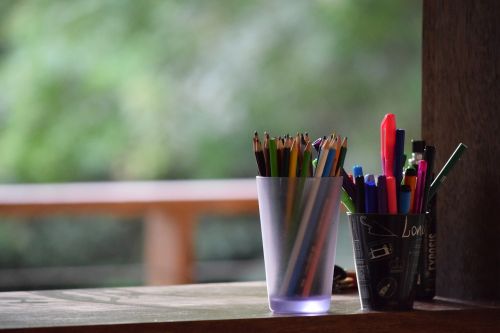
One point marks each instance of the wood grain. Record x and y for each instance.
(130, 198)
(230, 307)
(461, 103)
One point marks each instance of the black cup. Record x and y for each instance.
(387, 250)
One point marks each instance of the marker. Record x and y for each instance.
(370, 195)
(441, 177)
(387, 143)
(348, 184)
(417, 152)
(360, 188)
(382, 194)
(419, 192)
(429, 156)
(392, 203)
(404, 199)
(411, 181)
(398, 157)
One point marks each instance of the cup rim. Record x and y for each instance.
(265, 177)
(377, 214)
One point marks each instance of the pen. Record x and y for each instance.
(370, 195)
(441, 177)
(382, 194)
(398, 158)
(419, 192)
(360, 189)
(404, 199)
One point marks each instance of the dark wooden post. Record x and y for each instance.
(461, 102)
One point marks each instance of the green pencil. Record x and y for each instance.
(306, 160)
(347, 201)
(441, 177)
(273, 156)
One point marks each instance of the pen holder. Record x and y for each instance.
(299, 221)
(387, 250)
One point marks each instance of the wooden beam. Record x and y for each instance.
(235, 196)
(168, 245)
(461, 103)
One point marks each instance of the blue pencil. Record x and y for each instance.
(330, 159)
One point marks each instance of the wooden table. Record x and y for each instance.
(227, 307)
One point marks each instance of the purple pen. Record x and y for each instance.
(382, 194)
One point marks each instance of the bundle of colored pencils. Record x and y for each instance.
(307, 197)
(294, 157)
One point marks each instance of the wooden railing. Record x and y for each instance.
(170, 210)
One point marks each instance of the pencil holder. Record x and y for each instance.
(299, 221)
(386, 251)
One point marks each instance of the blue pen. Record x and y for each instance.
(359, 182)
(370, 195)
(404, 199)
(382, 194)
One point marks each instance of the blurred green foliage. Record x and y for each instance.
(125, 89)
(150, 89)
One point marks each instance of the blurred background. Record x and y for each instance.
(113, 90)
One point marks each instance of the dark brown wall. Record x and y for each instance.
(461, 103)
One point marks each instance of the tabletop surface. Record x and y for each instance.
(211, 307)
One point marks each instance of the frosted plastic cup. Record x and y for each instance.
(299, 221)
(386, 252)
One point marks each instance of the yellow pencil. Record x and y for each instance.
(294, 152)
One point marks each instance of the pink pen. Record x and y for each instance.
(419, 192)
